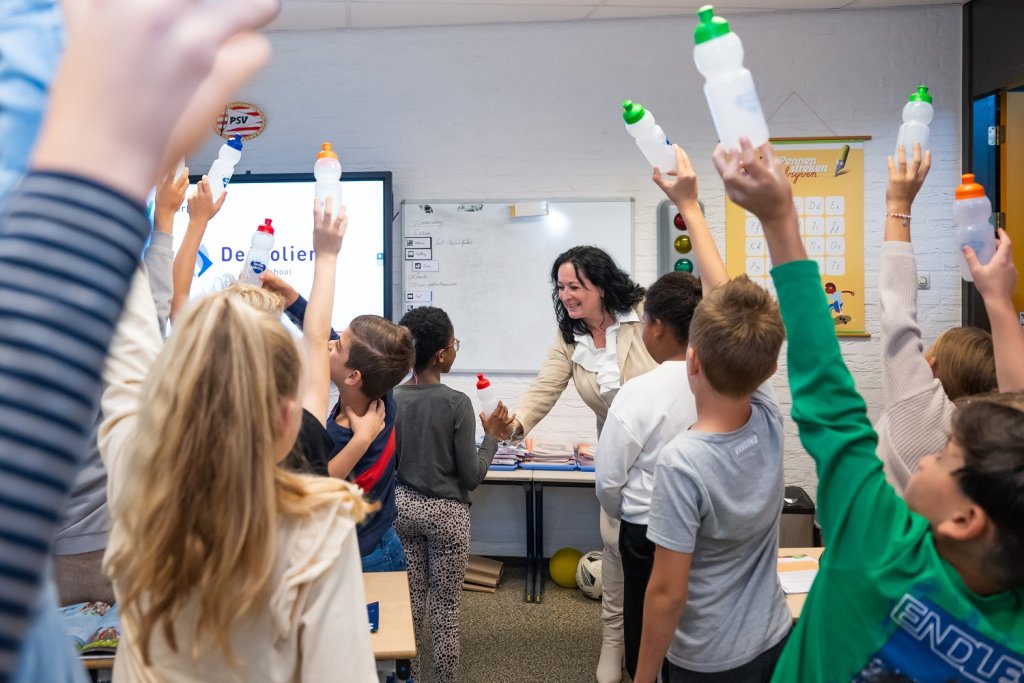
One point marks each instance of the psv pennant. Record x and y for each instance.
(240, 118)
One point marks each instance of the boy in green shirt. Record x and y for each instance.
(931, 589)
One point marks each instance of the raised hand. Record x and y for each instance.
(201, 207)
(757, 181)
(996, 280)
(680, 185)
(328, 229)
(178, 61)
(905, 179)
(170, 194)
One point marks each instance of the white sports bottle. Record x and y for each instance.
(258, 258)
(650, 138)
(971, 212)
(327, 171)
(485, 392)
(917, 114)
(729, 87)
(224, 167)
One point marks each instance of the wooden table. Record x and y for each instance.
(393, 644)
(396, 637)
(796, 601)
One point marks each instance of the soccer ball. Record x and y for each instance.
(588, 574)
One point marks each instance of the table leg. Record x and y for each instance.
(538, 536)
(528, 584)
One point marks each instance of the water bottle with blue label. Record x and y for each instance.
(224, 167)
(258, 258)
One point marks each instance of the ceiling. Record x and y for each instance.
(334, 14)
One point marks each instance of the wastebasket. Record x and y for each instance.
(796, 530)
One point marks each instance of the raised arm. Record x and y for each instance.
(328, 234)
(71, 236)
(680, 186)
(133, 351)
(201, 210)
(996, 282)
(831, 415)
(905, 370)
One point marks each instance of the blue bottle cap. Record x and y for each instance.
(235, 143)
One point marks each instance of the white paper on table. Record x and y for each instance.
(796, 573)
(798, 581)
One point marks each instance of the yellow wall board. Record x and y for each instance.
(828, 192)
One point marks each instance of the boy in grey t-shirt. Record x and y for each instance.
(714, 605)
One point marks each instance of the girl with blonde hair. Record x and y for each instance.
(920, 386)
(226, 566)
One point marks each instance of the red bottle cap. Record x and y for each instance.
(266, 227)
(481, 381)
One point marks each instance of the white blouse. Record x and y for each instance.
(603, 362)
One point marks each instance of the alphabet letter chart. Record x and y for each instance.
(828, 193)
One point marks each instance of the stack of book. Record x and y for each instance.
(482, 575)
(507, 457)
(585, 456)
(548, 455)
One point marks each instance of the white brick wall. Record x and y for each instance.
(533, 111)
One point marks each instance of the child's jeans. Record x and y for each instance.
(388, 556)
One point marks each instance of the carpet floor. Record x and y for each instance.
(506, 640)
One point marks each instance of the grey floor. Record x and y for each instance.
(505, 640)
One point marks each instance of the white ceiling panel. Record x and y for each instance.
(388, 14)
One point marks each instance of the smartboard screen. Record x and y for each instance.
(364, 264)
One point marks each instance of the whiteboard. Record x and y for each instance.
(492, 273)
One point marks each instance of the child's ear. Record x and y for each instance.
(354, 378)
(967, 523)
(692, 362)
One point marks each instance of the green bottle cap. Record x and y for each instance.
(632, 111)
(684, 265)
(710, 26)
(921, 95)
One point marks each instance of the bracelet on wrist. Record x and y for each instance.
(898, 214)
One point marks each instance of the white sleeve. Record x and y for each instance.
(136, 345)
(335, 625)
(617, 450)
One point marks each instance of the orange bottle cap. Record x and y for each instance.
(969, 189)
(326, 152)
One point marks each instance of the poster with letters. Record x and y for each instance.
(828, 193)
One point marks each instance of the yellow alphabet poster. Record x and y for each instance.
(828, 191)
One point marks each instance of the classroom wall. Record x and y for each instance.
(532, 111)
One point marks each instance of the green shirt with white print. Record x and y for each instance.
(885, 606)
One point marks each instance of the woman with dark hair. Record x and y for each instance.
(598, 346)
